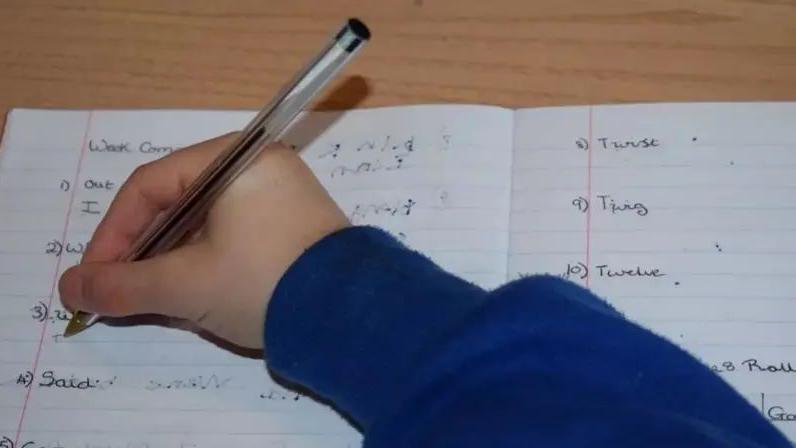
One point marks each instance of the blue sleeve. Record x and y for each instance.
(418, 357)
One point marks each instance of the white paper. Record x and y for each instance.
(700, 216)
(437, 177)
(704, 209)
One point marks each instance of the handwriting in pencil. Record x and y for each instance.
(199, 382)
(619, 144)
(41, 312)
(105, 146)
(281, 395)
(753, 366)
(579, 270)
(604, 270)
(607, 203)
(99, 184)
(52, 379)
(145, 147)
(780, 414)
(775, 412)
(386, 144)
(723, 367)
(622, 144)
(7, 442)
(148, 147)
(385, 153)
(90, 207)
(367, 167)
(49, 378)
(58, 247)
(401, 207)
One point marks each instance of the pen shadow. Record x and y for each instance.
(349, 94)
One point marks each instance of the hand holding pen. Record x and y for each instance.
(127, 232)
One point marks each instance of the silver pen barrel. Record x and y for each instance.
(269, 124)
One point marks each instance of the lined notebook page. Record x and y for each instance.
(436, 177)
(683, 217)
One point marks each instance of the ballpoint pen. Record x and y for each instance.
(269, 124)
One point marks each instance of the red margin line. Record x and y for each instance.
(588, 196)
(55, 277)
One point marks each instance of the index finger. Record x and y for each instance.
(149, 190)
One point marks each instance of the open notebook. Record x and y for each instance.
(681, 215)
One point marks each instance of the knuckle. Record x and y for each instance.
(139, 173)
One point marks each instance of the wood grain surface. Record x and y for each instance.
(235, 54)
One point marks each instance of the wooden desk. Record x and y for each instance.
(234, 54)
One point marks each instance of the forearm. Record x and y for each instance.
(410, 351)
(351, 318)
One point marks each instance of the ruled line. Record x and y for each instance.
(55, 276)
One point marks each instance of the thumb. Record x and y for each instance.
(167, 284)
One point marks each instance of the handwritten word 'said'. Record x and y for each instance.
(682, 217)
(427, 174)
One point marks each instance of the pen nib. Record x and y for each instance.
(75, 325)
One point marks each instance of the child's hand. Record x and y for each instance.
(223, 279)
